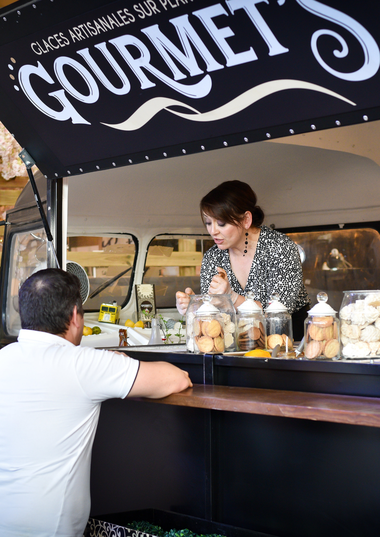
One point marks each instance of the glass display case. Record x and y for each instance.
(28, 255)
(210, 324)
(360, 324)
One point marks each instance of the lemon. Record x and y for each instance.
(258, 353)
(139, 324)
(129, 323)
(87, 331)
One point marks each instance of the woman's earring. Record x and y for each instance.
(246, 244)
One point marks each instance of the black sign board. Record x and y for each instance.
(91, 84)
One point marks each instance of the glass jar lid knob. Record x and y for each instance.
(275, 305)
(249, 305)
(275, 297)
(322, 308)
(207, 307)
(322, 297)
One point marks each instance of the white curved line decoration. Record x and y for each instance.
(151, 108)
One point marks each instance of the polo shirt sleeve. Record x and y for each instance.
(105, 374)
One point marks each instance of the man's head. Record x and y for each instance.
(48, 300)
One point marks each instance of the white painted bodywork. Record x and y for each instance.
(321, 178)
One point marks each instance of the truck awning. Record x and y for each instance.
(91, 85)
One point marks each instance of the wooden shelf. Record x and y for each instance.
(310, 406)
(104, 259)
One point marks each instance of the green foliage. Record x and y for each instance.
(166, 330)
(146, 527)
(180, 334)
(188, 533)
(167, 333)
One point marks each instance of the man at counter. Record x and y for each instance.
(51, 390)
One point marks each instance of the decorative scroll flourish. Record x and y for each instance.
(151, 108)
(367, 42)
(99, 528)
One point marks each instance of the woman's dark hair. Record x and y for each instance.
(229, 202)
(47, 300)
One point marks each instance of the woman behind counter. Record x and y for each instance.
(248, 256)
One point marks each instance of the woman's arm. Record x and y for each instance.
(214, 279)
(208, 271)
(221, 285)
(183, 299)
(285, 273)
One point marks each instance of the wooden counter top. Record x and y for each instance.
(310, 406)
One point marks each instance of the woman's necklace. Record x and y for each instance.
(249, 248)
(245, 244)
(241, 263)
(252, 244)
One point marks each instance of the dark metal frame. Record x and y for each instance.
(280, 476)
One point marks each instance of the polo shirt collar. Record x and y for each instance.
(36, 336)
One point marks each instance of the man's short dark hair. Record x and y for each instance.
(47, 300)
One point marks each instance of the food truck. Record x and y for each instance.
(128, 113)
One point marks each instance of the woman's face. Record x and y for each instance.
(225, 235)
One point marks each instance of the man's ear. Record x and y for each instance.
(75, 317)
(75, 330)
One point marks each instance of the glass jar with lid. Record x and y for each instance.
(250, 330)
(322, 331)
(360, 324)
(279, 327)
(200, 333)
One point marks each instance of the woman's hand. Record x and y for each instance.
(183, 299)
(219, 284)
